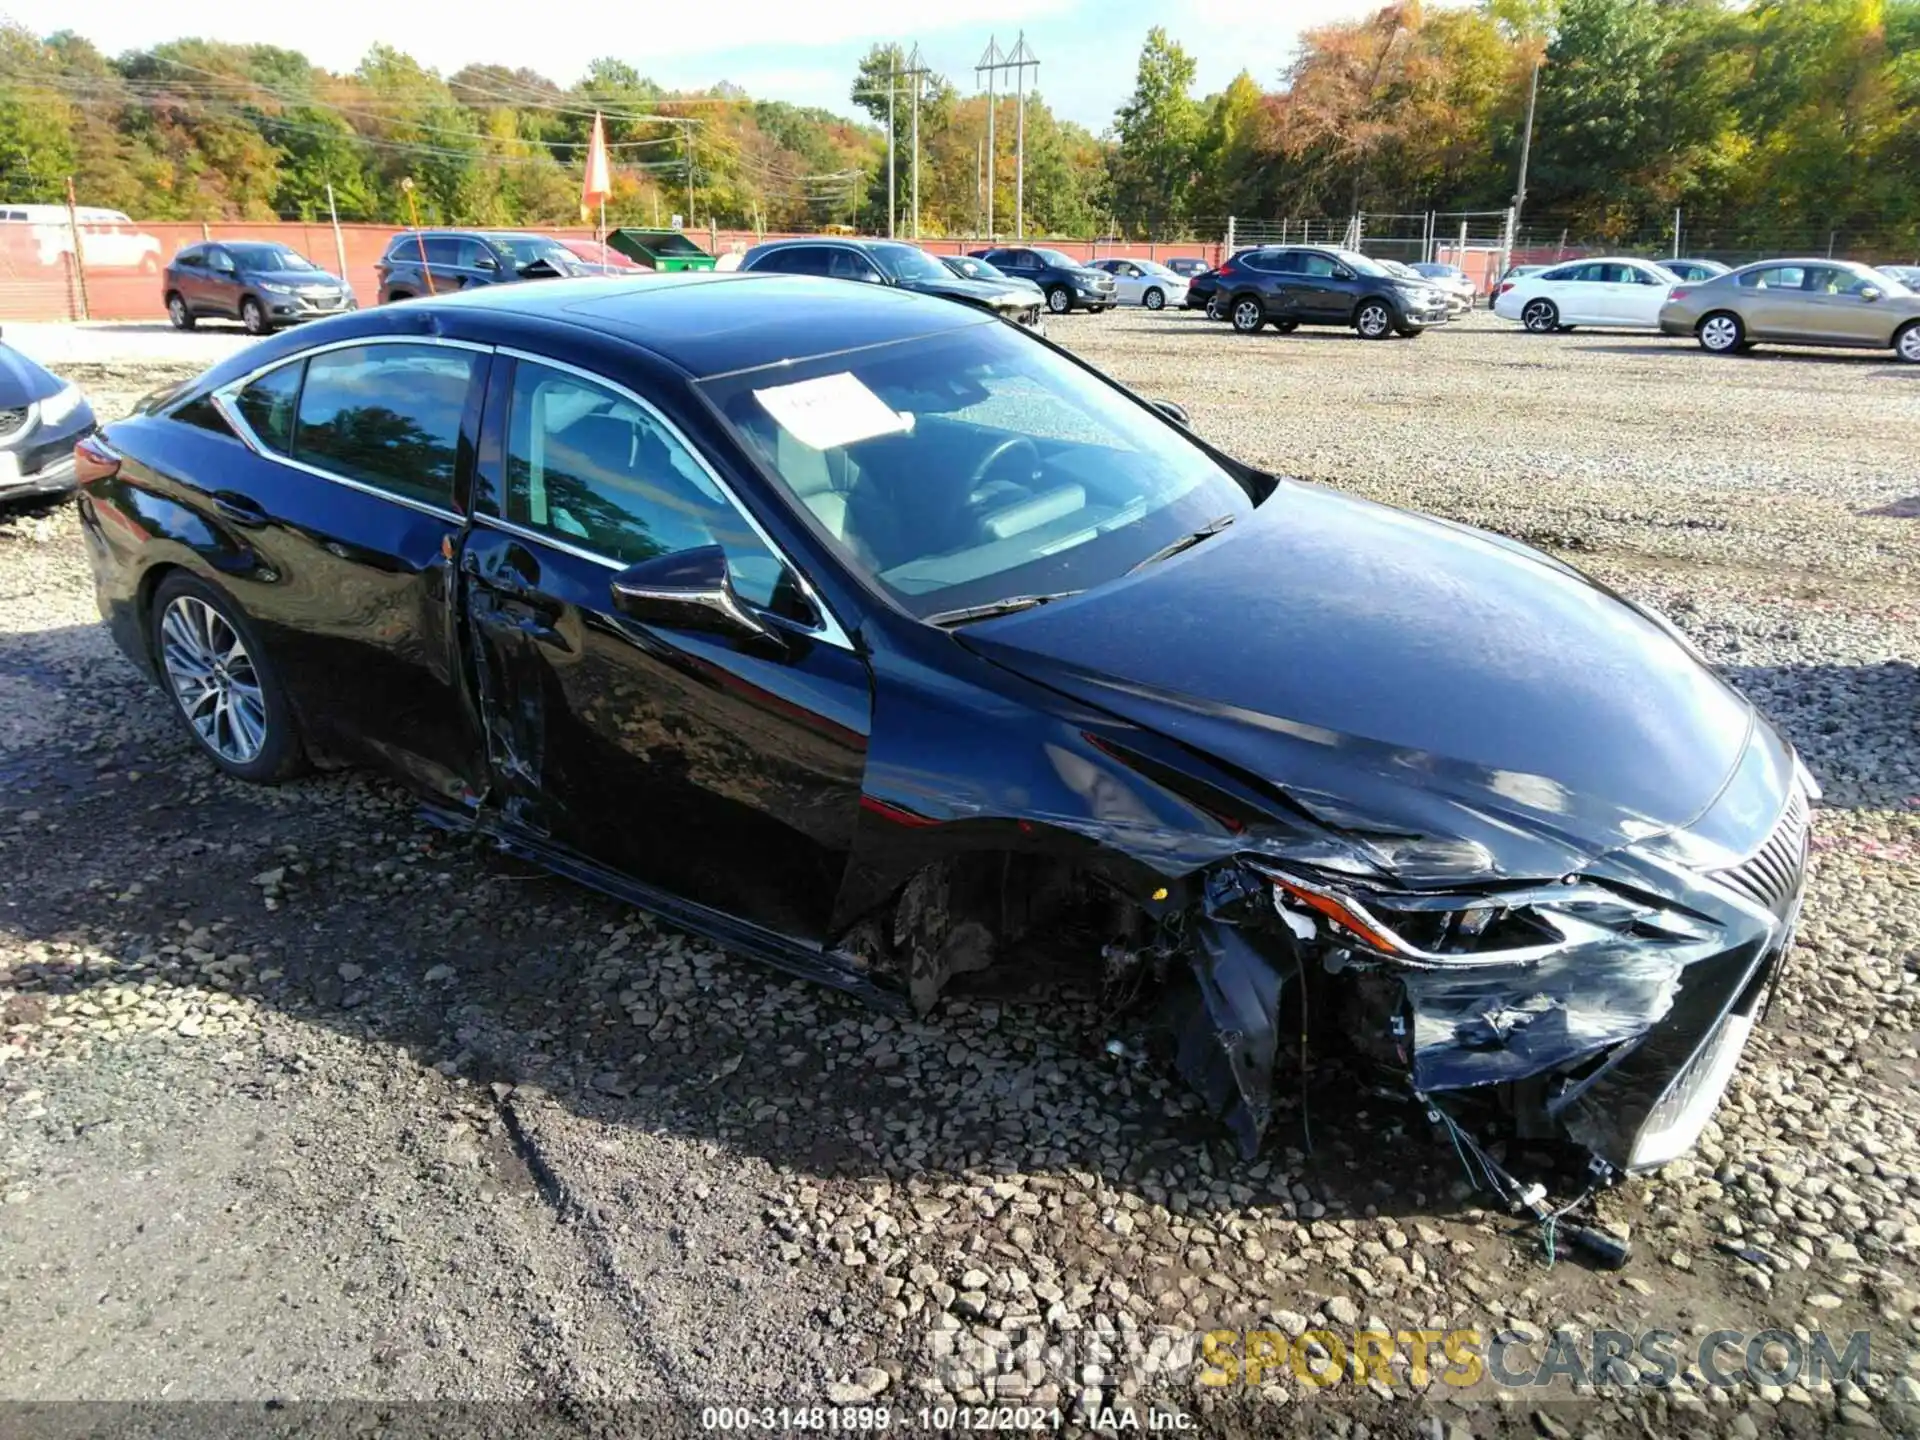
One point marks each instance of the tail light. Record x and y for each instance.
(1225, 270)
(1678, 292)
(1505, 285)
(94, 460)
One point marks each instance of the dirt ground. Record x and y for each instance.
(304, 1101)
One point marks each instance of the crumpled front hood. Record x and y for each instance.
(987, 292)
(1399, 673)
(22, 381)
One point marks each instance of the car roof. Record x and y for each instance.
(858, 242)
(717, 322)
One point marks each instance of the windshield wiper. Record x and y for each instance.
(1185, 542)
(1011, 605)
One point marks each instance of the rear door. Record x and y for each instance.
(220, 292)
(725, 772)
(1774, 303)
(339, 510)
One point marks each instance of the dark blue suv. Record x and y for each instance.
(1065, 282)
(435, 262)
(1287, 286)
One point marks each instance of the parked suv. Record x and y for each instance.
(261, 284)
(433, 262)
(892, 262)
(1287, 286)
(1065, 281)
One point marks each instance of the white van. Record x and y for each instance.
(110, 238)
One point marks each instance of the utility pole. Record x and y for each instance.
(993, 61)
(1526, 142)
(1019, 60)
(893, 85)
(918, 71)
(689, 134)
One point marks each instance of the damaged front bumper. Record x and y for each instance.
(1609, 1008)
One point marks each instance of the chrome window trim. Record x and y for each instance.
(225, 400)
(829, 629)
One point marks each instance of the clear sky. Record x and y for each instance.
(798, 50)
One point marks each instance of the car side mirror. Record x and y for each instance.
(1343, 273)
(1176, 413)
(1870, 292)
(687, 590)
(486, 262)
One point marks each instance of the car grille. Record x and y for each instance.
(1772, 874)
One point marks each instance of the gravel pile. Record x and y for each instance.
(498, 1137)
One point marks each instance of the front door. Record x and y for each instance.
(1837, 311)
(724, 771)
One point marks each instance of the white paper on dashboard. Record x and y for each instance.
(832, 410)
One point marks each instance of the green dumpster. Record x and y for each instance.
(659, 249)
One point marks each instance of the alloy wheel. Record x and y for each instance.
(1374, 321)
(1720, 333)
(1058, 301)
(214, 680)
(1540, 317)
(253, 317)
(1156, 300)
(1247, 316)
(177, 312)
(1907, 347)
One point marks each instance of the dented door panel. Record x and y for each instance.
(728, 777)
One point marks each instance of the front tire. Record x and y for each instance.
(1059, 301)
(1373, 320)
(178, 315)
(1906, 345)
(1155, 299)
(1247, 315)
(1541, 317)
(253, 315)
(1721, 333)
(223, 687)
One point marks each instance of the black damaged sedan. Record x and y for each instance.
(889, 644)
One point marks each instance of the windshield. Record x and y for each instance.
(975, 269)
(909, 262)
(1448, 272)
(974, 465)
(1059, 261)
(1358, 263)
(268, 257)
(1895, 282)
(526, 249)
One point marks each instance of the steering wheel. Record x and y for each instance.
(987, 463)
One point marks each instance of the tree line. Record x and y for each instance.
(1770, 116)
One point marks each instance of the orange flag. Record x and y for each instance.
(597, 186)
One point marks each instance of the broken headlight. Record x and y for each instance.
(1494, 927)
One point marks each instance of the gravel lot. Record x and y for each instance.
(302, 1099)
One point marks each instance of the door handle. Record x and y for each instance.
(240, 509)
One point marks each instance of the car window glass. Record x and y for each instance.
(843, 264)
(1318, 265)
(267, 405)
(808, 260)
(1776, 277)
(442, 250)
(387, 415)
(188, 257)
(220, 261)
(589, 466)
(468, 252)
